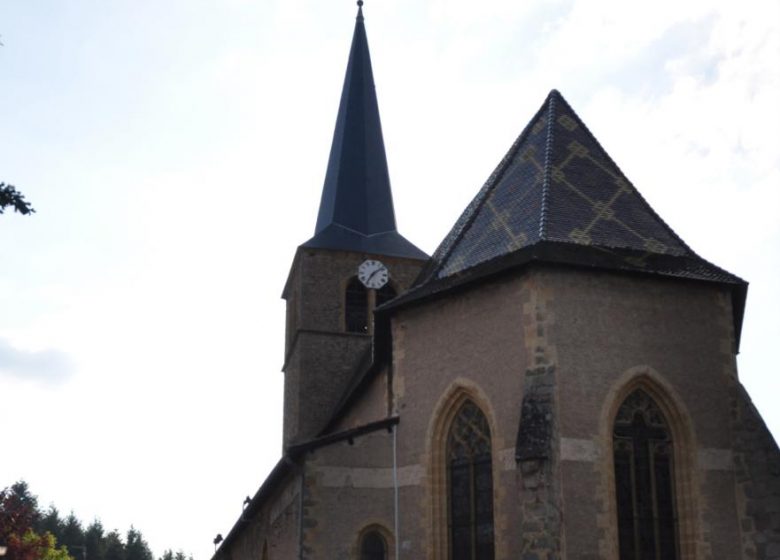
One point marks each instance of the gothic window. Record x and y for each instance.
(644, 479)
(373, 546)
(470, 485)
(356, 307)
(385, 294)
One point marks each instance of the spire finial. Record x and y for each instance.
(360, 3)
(360, 10)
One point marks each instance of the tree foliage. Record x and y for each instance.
(18, 510)
(178, 555)
(136, 547)
(30, 533)
(32, 546)
(10, 197)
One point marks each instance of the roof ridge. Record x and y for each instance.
(638, 194)
(547, 162)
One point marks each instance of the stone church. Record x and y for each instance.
(558, 380)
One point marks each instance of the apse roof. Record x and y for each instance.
(557, 184)
(356, 209)
(558, 197)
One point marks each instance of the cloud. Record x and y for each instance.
(45, 366)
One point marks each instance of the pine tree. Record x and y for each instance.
(115, 548)
(52, 523)
(95, 541)
(136, 547)
(73, 536)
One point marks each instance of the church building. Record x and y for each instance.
(557, 381)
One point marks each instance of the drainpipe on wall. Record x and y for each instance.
(395, 494)
(301, 469)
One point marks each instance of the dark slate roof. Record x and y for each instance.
(356, 209)
(558, 197)
(557, 184)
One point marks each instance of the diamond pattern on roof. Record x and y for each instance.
(555, 184)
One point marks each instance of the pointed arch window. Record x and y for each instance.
(470, 485)
(373, 546)
(644, 479)
(356, 307)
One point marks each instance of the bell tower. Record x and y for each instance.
(355, 261)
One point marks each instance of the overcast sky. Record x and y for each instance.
(175, 150)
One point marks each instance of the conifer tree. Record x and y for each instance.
(136, 547)
(94, 541)
(115, 548)
(52, 523)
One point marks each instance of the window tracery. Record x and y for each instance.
(644, 481)
(470, 485)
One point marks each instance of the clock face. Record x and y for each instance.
(373, 274)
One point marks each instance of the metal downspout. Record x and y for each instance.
(300, 510)
(395, 494)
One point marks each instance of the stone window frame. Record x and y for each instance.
(684, 449)
(437, 491)
(383, 531)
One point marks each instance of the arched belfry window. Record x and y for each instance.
(385, 294)
(373, 546)
(356, 307)
(644, 479)
(470, 485)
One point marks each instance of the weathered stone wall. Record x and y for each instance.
(757, 461)
(370, 407)
(673, 338)
(349, 487)
(319, 373)
(471, 345)
(536, 449)
(320, 357)
(274, 526)
(548, 355)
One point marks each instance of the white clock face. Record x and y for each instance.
(373, 274)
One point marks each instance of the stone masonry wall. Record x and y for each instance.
(320, 357)
(274, 526)
(675, 340)
(470, 345)
(537, 441)
(757, 461)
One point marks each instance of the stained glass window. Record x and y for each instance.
(356, 307)
(373, 546)
(470, 485)
(644, 480)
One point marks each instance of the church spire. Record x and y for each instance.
(356, 210)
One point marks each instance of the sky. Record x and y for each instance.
(175, 152)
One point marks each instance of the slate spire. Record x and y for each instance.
(356, 209)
